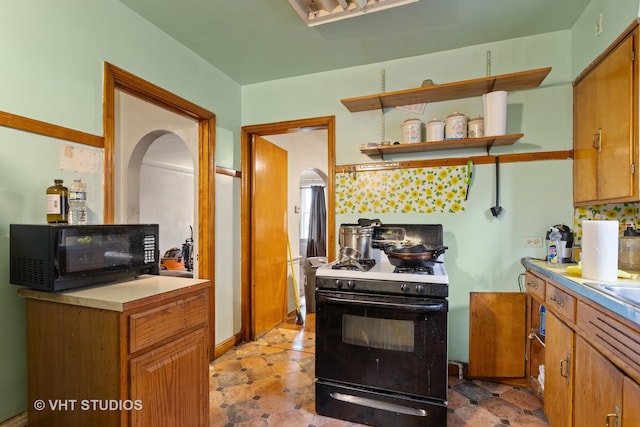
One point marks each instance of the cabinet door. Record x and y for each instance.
(496, 334)
(630, 403)
(558, 361)
(615, 111)
(598, 388)
(171, 383)
(603, 127)
(585, 128)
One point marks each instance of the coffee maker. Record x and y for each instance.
(566, 242)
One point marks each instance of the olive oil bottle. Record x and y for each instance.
(57, 203)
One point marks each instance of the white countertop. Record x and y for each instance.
(114, 296)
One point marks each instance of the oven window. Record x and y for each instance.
(373, 332)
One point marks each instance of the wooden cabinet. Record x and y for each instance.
(558, 362)
(605, 126)
(122, 361)
(598, 393)
(591, 357)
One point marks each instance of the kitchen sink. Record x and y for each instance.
(626, 293)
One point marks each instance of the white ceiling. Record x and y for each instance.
(259, 40)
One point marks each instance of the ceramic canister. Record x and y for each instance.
(411, 131)
(476, 127)
(456, 126)
(435, 130)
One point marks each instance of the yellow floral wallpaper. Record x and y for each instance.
(628, 214)
(416, 190)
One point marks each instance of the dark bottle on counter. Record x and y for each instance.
(57, 203)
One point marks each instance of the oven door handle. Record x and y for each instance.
(426, 308)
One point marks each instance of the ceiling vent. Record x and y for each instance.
(316, 12)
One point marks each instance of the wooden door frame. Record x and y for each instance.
(247, 133)
(117, 78)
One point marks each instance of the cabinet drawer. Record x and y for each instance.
(154, 325)
(534, 286)
(561, 303)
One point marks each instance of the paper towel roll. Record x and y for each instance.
(600, 250)
(495, 113)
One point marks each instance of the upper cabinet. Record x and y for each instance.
(605, 126)
(444, 92)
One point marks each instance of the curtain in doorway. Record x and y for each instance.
(316, 244)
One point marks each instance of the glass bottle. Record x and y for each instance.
(57, 203)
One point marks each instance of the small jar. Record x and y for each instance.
(411, 131)
(476, 127)
(435, 130)
(456, 126)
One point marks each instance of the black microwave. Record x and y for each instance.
(57, 257)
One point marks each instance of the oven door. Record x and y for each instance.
(387, 343)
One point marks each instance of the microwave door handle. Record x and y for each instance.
(431, 307)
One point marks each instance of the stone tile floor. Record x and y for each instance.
(270, 382)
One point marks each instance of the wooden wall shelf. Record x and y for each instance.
(452, 144)
(446, 91)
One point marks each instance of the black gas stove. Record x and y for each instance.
(381, 336)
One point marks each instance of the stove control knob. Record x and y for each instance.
(405, 288)
(351, 284)
(339, 284)
(420, 289)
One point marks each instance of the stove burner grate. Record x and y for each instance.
(352, 264)
(414, 270)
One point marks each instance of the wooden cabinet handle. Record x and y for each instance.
(557, 301)
(564, 368)
(615, 416)
(596, 141)
(533, 285)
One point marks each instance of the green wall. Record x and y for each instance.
(52, 61)
(484, 253)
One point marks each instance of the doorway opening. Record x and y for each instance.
(116, 80)
(249, 135)
(165, 196)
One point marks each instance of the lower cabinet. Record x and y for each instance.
(143, 365)
(170, 380)
(559, 371)
(598, 396)
(630, 403)
(591, 358)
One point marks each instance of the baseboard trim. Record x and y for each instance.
(224, 346)
(20, 420)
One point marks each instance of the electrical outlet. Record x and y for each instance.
(532, 241)
(599, 24)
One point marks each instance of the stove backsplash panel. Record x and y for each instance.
(409, 190)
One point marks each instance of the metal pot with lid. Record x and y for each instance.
(358, 237)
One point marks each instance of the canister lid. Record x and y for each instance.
(477, 119)
(455, 115)
(412, 120)
(434, 120)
